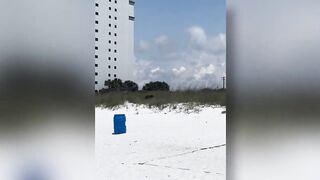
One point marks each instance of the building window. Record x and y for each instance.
(115, 59)
(97, 5)
(96, 65)
(97, 13)
(96, 56)
(97, 39)
(109, 66)
(115, 18)
(109, 50)
(110, 8)
(109, 58)
(109, 25)
(115, 75)
(116, 2)
(115, 26)
(115, 43)
(115, 34)
(96, 30)
(131, 18)
(97, 22)
(115, 10)
(115, 67)
(96, 73)
(109, 17)
(96, 48)
(96, 82)
(109, 0)
(109, 75)
(115, 51)
(110, 33)
(109, 41)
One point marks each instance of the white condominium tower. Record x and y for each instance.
(114, 40)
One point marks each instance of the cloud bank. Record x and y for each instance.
(200, 62)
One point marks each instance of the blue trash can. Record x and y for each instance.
(119, 124)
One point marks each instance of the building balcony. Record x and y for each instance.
(131, 2)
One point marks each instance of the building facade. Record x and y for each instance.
(114, 40)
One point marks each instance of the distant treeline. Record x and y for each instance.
(117, 85)
(130, 86)
(155, 94)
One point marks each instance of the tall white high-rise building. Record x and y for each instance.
(114, 40)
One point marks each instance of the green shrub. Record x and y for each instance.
(156, 86)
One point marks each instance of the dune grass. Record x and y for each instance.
(160, 98)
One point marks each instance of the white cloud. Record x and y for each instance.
(218, 43)
(155, 70)
(204, 71)
(161, 40)
(198, 35)
(201, 41)
(179, 71)
(143, 46)
(199, 64)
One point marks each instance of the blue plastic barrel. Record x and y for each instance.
(119, 124)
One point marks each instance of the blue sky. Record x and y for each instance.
(172, 17)
(174, 36)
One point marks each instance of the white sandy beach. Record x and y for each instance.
(164, 144)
